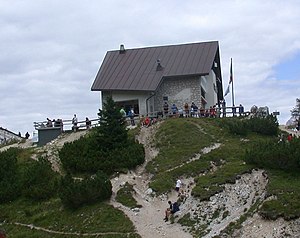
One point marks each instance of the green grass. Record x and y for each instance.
(51, 215)
(285, 186)
(179, 139)
(205, 132)
(125, 196)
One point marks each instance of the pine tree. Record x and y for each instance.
(296, 110)
(112, 132)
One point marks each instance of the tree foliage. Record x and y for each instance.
(10, 186)
(75, 192)
(107, 148)
(276, 154)
(265, 126)
(112, 132)
(296, 110)
(39, 181)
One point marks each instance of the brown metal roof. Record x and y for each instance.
(136, 69)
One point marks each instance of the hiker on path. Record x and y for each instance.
(171, 210)
(178, 185)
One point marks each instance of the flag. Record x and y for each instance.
(231, 75)
(227, 91)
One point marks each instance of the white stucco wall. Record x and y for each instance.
(210, 86)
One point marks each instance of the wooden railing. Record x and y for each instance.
(65, 125)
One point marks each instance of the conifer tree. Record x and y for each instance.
(296, 110)
(112, 132)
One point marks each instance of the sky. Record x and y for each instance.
(51, 50)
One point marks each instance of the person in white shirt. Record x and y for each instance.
(178, 185)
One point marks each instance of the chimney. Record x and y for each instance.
(122, 49)
(159, 66)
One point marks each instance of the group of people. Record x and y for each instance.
(54, 123)
(130, 114)
(59, 123)
(193, 110)
(182, 196)
(75, 126)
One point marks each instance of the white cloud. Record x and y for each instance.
(51, 50)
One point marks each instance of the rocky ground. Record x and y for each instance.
(211, 216)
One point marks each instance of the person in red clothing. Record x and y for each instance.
(2, 234)
(147, 122)
(290, 137)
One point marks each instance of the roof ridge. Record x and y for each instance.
(170, 45)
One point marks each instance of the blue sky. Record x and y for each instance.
(51, 50)
(289, 69)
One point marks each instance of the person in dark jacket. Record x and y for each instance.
(171, 210)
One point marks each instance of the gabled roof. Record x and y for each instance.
(136, 69)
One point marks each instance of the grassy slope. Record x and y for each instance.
(178, 140)
(95, 218)
(191, 135)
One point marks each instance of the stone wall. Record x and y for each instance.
(178, 91)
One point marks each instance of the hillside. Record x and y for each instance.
(223, 194)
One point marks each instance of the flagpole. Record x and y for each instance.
(231, 79)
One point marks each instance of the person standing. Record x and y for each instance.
(27, 135)
(178, 185)
(186, 109)
(166, 109)
(131, 116)
(174, 109)
(74, 122)
(224, 107)
(122, 111)
(87, 123)
(241, 110)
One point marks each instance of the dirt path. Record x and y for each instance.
(294, 133)
(229, 205)
(148, 219)
(26, 144)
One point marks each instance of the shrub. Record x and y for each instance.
(277, 155)
(74, 193)
(265, 126)
(39, 180)
(237, 126)
(241, 126)
(128, 157)
(79, 156)
(107, 148)
(10, 186)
